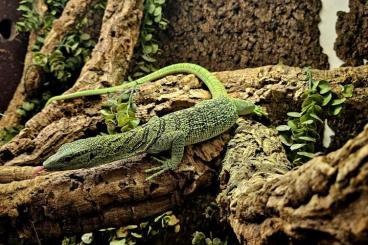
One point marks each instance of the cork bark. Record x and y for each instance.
(107, 67)
(322, 202)
(66, 202)
(277, 88)
(30, 85)
(233, 34)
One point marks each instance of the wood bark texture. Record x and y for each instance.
(30, 83)
(322, 202)
(66, 202)
(107, 67)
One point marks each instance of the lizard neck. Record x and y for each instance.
(243, 107)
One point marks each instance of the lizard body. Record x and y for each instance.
(173, 131)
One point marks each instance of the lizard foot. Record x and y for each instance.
(166, 165)
(259, 111)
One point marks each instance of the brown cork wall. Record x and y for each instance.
(12, 51)
(352, 29)
(231, 34)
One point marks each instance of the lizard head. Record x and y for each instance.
(72, 156)
(244, 107)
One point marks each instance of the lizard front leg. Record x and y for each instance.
(177, 139)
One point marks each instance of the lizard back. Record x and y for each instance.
(201, 122)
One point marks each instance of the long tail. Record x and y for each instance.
(215, 86)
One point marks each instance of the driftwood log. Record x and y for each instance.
(271, 204)
(31, 81)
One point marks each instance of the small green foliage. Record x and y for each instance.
(119, 113)
(302, 131)
(31, 19)
(68, 57)
(29, 108)
(6, 134)
(199, 238)
(132, 234)
(148, 47)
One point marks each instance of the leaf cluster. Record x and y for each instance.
(119, 113)
(27, 107)
(68, 57)
(31, 19)
(302, 131)
(199, 238)
(131, 234)
(148, 46)
(6, 134)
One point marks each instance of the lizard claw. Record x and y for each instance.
(166, 165)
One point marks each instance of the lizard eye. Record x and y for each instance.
(67, 159)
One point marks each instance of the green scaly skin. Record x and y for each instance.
(173, 131)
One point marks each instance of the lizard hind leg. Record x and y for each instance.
(177, 151)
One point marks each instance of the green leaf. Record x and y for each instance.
(308, 122)
(148, 58)
(158, 11)
(118, 242)
(294, 114)
(107, 115)
(307, 138)
(306, 154)
(317, 98)
(338, 101)
(157, 19)
(74, 46)
(136, 235)
(144, 68)
(315, 108)
(163, 24)
(79, 51)
(87, 238)
(138, 74)
(122, 119)
(24, 8)
(285, 140)
(292, 124)
(314, 85)
(148, 37)
(316, 117)
(27, 106)
(348, 90)
(154, 48)
(305, 117)
(336, 110)
(294, 147)
(324, 87)
(147, 49)
(85, 36)
(160, 2)
(122, 107)
(283, 128)
(326, 99)
(307, 103)
(21, 112)
(151, 8)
